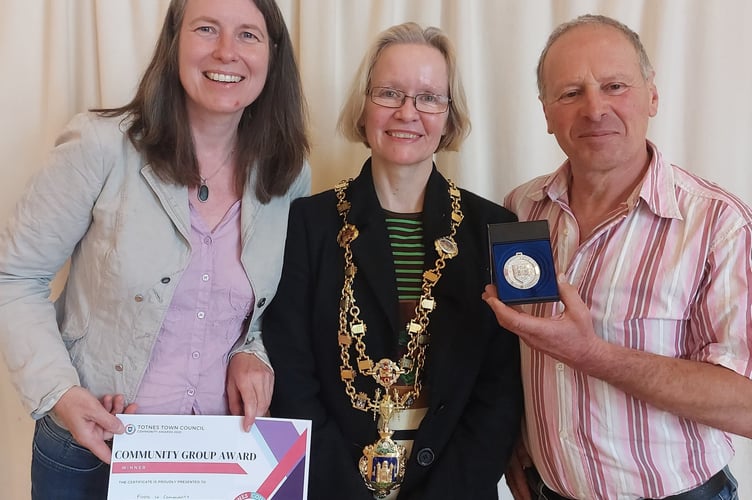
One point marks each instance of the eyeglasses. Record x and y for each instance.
(393, 98)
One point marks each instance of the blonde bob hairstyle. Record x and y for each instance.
(350, 123)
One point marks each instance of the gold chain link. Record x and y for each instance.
(353, 329)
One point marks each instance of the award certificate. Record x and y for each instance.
(196, 457)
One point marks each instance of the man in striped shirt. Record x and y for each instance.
(635, 379)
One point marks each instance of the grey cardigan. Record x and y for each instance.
(127, 236)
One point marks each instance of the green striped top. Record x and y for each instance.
(406, 239)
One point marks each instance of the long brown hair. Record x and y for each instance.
(272, 135)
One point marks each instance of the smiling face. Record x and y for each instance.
(223, 56)
(404, 136)
(597, 103)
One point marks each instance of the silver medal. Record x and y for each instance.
(521, 271)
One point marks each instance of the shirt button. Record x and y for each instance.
(208, 240)
(118, 367)
(201, 315)
(191, 391)
(139, 298)
(195, 354)
(261, 302)
(204, 277)
(165, 280)
(559, 367)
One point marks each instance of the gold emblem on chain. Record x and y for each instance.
(382, 465)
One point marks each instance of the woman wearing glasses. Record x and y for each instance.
(377, 332)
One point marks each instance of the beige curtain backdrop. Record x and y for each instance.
(59, 57)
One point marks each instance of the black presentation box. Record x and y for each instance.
(522, 264)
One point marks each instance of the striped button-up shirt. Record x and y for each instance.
(669, 274)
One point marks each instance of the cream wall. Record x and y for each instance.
(63, 56)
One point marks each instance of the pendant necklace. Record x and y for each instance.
(203, 190)
(382, 465)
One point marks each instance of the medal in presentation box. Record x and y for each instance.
(522, 264)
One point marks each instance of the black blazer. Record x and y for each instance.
(472, 370)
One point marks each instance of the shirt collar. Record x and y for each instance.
(657, 189)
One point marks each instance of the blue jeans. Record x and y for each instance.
(729, 492)
(61, 469)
